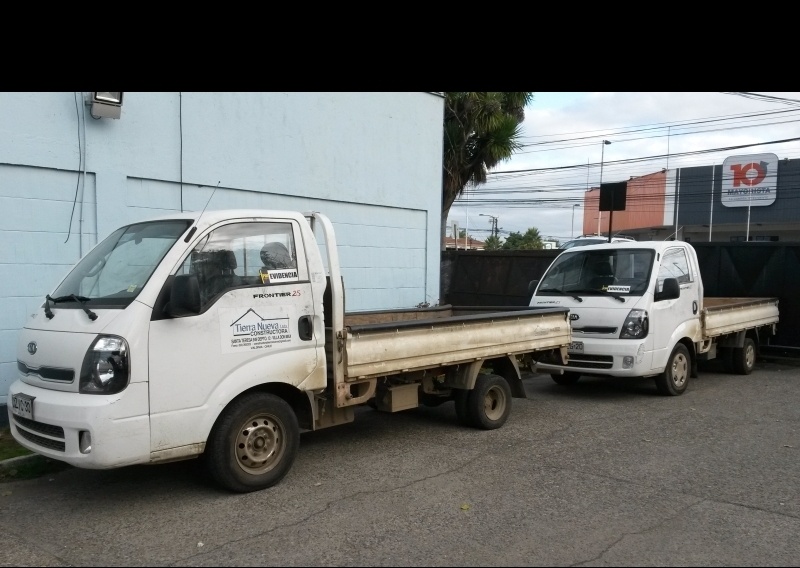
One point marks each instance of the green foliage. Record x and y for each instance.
(530, 240)
(9, 448)
(31, 467)
(480, 131)
(492, 243)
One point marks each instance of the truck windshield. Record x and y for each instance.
(113, 273)
(619, 272)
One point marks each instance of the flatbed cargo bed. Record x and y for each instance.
(723, 316)
(447, 336)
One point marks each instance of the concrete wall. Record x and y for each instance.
(370, 161)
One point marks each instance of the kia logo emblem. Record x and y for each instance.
(32, 347)
(573, 317)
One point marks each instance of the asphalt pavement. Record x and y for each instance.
(605, 473)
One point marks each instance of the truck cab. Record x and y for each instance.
(630, 304)
(161, 322)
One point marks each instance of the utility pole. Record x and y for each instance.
(493, 223)
(573, 217)
(599, 213)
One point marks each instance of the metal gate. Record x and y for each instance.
(754, 269)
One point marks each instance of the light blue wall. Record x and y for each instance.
(370, 161)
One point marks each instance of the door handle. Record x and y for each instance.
(305, 328)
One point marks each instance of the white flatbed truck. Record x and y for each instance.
(224, 335)
(637, 309)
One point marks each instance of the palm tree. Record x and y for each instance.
(480, 131)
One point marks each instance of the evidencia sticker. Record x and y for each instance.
(278, 276)
(620, 289)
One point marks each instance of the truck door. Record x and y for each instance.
(672, 317)
(255, 326)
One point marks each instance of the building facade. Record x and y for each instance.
(71, 173)
(747, 198)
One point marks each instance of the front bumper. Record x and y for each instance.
(118, 426)
(605, 357)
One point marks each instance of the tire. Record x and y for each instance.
(744, 357)
(567, 379)
(254, 443)
(460, 397)
(489, 403)
(675, 378)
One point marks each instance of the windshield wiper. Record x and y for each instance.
(557, 291)
(596, 291)
(613, 295)
(47, 311)
(71, 298)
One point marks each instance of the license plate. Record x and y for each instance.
(575, 347)
(22, 405)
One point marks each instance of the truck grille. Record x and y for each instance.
(591, 361)
(47, 373)
(596, 329)
(41, 427)
(24, 425)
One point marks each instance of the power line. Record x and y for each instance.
(756, 96)
(667, 135)
(658, 126)
(557, 187)
(656, 157)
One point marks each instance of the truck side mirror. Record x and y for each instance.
(184, 298)
(670, 290)
(532, 286)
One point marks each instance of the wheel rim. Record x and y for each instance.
(494, 403)
(680, 370)
(749, 355)
(260, 444)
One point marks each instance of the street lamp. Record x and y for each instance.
(573, 216)
(599, 214)
(493, 222)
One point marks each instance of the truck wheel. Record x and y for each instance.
(568, 378)
(489, 403)
(675, 378)
(254, 443)
(744, 357)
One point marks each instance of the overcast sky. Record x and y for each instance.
(563, 150)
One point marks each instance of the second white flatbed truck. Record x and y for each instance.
(637, 309)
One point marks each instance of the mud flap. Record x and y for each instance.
(508, 368)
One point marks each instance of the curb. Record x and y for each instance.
(13, 463)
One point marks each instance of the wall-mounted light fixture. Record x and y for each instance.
(105, 105)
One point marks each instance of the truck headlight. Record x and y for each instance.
(105, 368)
(635, 326)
